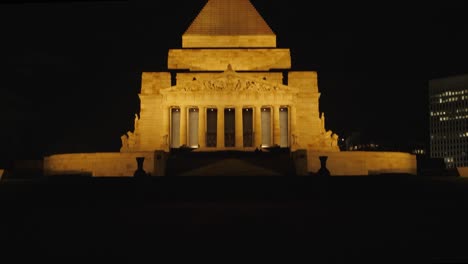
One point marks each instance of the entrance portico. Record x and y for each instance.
(224, 127)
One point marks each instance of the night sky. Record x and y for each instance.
(70, 72)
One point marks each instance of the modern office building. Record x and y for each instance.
(448, 103)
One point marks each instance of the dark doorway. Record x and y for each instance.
(211, 127)
(247, 125)
(266, 127)
(229, 127)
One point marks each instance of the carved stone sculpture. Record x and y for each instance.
(124, 147)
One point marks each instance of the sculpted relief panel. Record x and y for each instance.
(229, 81)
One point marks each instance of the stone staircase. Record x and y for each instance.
(230, 163)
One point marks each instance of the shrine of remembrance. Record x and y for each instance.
(230, 88)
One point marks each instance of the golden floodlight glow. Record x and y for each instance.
(229, 23)
(232, 98)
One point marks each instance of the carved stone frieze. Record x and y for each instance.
(229, 81)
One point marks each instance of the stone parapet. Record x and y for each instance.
(363, 163)
(103, 164)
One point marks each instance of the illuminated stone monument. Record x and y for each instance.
(234, 95)
(233, 89)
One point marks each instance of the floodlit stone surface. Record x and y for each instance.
(228, 23)
(231, 89)
(463, 171)
(187, 78)
(233, 97)
(2, 171)
(362, 163)
(219, 59)
(102, 164)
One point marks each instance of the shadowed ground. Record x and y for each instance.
(384, 219)
(231, 163)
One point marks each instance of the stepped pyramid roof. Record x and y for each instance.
(229, 23)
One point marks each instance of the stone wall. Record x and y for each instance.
(153, 124)
(308, 125)
(150, 132)
(152, 82)
(2, 171)
(103, 164)
(357, 163)
(219, 59)
(463, 171)
(216, 41)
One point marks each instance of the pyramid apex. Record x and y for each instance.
(229, 23)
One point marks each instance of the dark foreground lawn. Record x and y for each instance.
(379, 219)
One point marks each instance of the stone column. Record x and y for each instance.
(165, 135)
(239, 128)
(294, 139)
(220, 132)
(276, 125)
(258, 126)
(183, 125)
(202, 127)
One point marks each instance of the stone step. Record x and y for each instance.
(230, 163)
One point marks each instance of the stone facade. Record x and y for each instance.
(236, 91)
(267, 104)
(230, 88)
